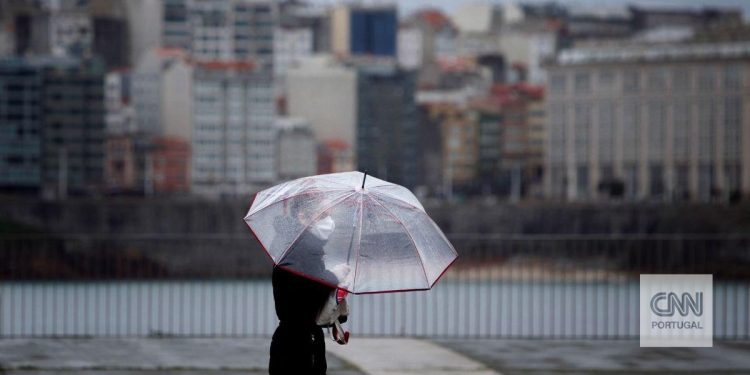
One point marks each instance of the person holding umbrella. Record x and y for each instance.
(340, 233)
(297, 346)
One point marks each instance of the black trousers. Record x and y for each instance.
(297, 351)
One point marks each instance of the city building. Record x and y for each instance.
(72, 127)
(667, 121)
(120, 114)
(297, 14)
(478, 26)
(161, 85)
(21, 90)
(529, 44)
(291, 47)
(459, 145)
(80, 29)
(296, 149)
(111, 40)
(649, 17)
(324, 92)
(169, 172)
(511, 122)
(334, 156)
(369, 30)
(123, 174)
(233, 140)
(387, 123)
(229, 30)
(145, 19)
(424, 37)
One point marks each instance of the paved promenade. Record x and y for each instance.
(366, 356)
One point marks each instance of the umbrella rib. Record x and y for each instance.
(359, 239)
(416, 248)
(307, 226)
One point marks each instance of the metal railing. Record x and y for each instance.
(215, 285)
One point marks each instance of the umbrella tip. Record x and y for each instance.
(363, 179)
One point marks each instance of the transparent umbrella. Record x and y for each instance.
(351, 231)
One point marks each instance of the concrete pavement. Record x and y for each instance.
(402, 356)
(135, 356)
(224, 356)
(363, 356)
(602, 357)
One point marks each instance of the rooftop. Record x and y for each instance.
(651, 53)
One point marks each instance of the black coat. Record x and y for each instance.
(297, 347)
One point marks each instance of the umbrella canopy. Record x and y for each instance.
(364, 235)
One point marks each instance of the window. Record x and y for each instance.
(631, 81)
(681, 79)
(606, 131)
(657, 79)
(657, 118)
(630, 130)
(681, 129)
(707, 78)
(732, 128)
(582, 125)
(582, 83)
(606, 80)
(656, 180)
(557, 84)
(732, 77)
(706, 129)
(582, 175)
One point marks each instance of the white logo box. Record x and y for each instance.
(676, 310)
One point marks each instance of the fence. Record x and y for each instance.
(502, 287)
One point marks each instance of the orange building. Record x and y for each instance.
(170, 159)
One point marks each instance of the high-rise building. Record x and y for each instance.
(110, 41)
(120, 114)
(52, 125)
(324, 92)
(291, 47)
(387, 123)
(161, 93)
(73, 127)
(229, 30)
(233, 143)
(667, 121)
(358, 30)
(21, 90)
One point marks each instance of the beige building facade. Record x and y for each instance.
(668, 122)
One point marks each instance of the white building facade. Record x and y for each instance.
(233, 144)
(222, 29)
(670, 122)
(161, 86)
(325, 93)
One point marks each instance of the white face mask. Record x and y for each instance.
(323, 228)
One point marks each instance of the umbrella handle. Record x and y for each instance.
(339, 335)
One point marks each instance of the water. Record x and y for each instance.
(453, 308)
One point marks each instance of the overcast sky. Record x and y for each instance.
(408, 6)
